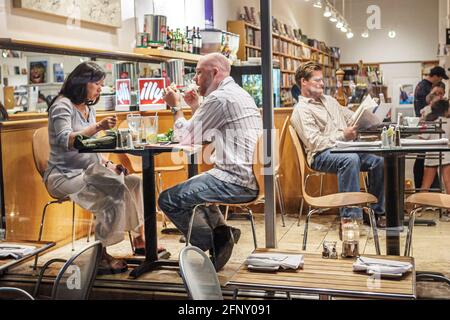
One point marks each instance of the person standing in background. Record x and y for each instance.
(421, 92)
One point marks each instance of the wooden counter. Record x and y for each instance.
(25, 194)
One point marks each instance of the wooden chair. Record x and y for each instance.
(333, 201)
(277, 174)
(41, 153)
(258, 171)
(422, 201)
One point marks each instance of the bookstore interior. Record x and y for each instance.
(387, 62)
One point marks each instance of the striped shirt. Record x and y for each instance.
(230, 118)
(320, 124)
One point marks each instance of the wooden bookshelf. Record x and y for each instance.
(290, 52)
(165, 55)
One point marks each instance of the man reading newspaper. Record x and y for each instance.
(320, 121)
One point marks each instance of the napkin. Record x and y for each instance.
(421, 142)
(388, 267)
(275, 260)
(352, 144)
(14, 251)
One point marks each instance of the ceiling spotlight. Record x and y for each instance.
(365, 34)
(327, 13)
(392, 34)
(318, 4)
(350, 35)
(333, 17)
(344, 28)
(339, 25)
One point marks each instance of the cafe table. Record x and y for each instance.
(394, 184)
(147, 153)
(326, 278)
(428, 127)
(40, 247)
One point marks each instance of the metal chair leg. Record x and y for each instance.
(305, 234)
(73, 226)
(280, 198)
(300, 212)
(41, 228)
(131, 243)
(191, 224)
(227, 209)
(412, 218)
(321, 185)
(91, 222)
(252, 221)
(373, 227)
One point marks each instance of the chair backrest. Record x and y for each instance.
(281, 142)
(199, 275)
(76, 278)
(258, 167)
(41, 149)
(302, 162)
(8, 293)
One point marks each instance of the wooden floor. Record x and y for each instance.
(430, 250)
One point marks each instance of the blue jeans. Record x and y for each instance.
(347, 168)
(178, 202)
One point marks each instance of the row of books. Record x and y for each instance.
(289, 64)
(291, 49)
(253, 37)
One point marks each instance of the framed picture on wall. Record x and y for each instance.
(58, 72)
(38, 72)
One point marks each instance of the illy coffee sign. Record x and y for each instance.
(123, 94)
(151, 93)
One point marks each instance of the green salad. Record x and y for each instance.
(166, 137)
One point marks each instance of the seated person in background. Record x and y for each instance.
(437, 93)
(295, 91)
(230, 117)
(88, 179)
(439, 111)
(320, 121)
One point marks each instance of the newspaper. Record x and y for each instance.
(364, 117)
(354, 144)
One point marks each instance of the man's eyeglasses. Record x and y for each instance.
(316, 80)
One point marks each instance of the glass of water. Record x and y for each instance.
(151, 129)
(134, 122)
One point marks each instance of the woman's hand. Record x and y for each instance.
(107, 123)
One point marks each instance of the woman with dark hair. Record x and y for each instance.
(95, 184)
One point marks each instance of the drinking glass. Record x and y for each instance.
(134, 122)
(151, 129)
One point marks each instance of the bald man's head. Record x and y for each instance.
(212, 69)
(216, 60)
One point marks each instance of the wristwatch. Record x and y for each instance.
(175, 109)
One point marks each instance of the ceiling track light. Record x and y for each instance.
(318, 4)
(350, 34)
(339, 25)
(327, 13)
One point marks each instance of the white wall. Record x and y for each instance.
(415, 21)
(297, 13)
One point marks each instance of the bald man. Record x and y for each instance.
(230, 118)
